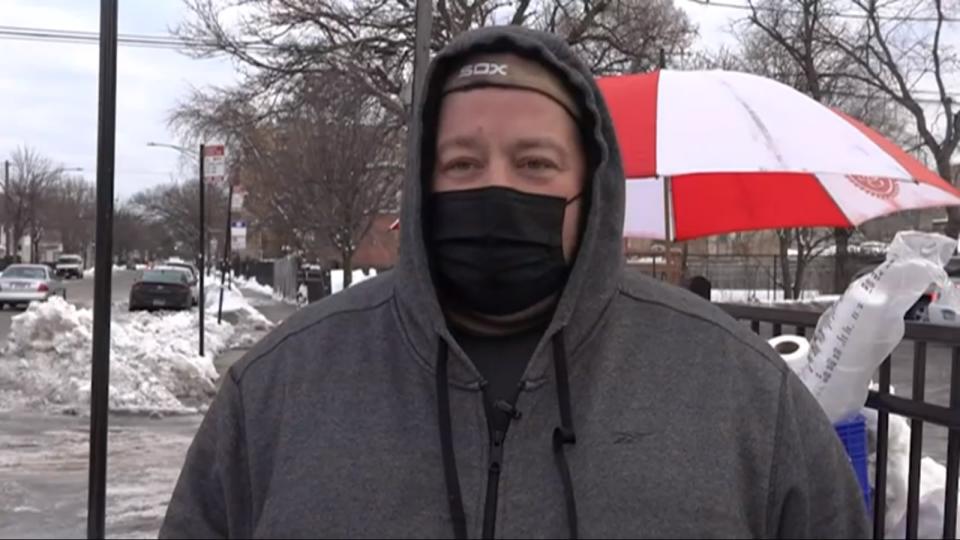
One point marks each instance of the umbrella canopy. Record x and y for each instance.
(712, 152)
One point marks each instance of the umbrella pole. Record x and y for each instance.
(669, 221)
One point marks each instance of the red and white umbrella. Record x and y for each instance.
(712, 152)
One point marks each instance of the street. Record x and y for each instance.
(44, 457)
(80, 293)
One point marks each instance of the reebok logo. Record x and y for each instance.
(483, 68)
(630, 437)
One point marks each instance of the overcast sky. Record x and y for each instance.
(48, 91)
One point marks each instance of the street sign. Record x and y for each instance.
(236, 203)
(238, 235)
(214, 163)
(238, 243)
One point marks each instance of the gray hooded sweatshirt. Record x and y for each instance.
(644, 411)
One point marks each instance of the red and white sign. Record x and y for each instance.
(214, 163)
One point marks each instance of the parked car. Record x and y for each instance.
(161, 288)
(21, 284)
(70, 266)
(183, 264)
(192, 277)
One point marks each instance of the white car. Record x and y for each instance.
(25, 283)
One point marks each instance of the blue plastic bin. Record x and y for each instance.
(853, 433)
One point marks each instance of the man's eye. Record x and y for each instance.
(537, 164)
(461, 165)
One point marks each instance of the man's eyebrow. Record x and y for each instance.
(533, 143)
(462, 141)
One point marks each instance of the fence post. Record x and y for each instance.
(776, 272)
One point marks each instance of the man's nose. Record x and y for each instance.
(500, 173)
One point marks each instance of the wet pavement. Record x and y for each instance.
(44, 465)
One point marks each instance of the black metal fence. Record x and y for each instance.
(920, 411)
(759, 274)
(280, 274)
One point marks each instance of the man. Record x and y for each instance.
(509, 379)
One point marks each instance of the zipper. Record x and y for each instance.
(493, 482)
(508, 413)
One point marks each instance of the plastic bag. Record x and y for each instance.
(861, 329)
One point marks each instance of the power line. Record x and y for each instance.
(135, 40)
(859, 16)
(171, 42)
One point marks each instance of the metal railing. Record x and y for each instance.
(802, 322)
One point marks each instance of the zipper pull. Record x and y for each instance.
(496, 450)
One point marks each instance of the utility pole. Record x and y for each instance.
(202, 246)
(100, 376)
(8, 236)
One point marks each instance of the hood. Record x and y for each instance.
(594, 277)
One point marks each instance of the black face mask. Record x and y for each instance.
(498, 250)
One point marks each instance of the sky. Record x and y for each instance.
(48, 91)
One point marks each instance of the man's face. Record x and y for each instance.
(499, 137)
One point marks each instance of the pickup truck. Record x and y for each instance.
(69, 266)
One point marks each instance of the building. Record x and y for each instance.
(381, 245)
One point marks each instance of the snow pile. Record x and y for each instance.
(933, 479)
(90, 272)
(757, 296)
(336, 278)
(154, 364)
(235, 303)
(251, 284)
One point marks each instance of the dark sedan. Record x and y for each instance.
(161, 289)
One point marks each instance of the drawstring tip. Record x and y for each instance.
(506, 407)
(562, 435)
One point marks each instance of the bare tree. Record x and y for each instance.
(370, 42)
(172, 210)
(810, 244)
(133, 233)
(795, 42)
(30, 176)
(333, 167)
(70, 209)
(897, 55)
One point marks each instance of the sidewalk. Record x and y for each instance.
(273, 310)
(44, 467)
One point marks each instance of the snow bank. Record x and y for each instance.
(765, 296)
(90, 272)
(251, 284)
(154, 364)
(234, 302)
(933, 479)
(336, 278)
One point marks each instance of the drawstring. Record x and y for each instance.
(564, 434)
(446, 443)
